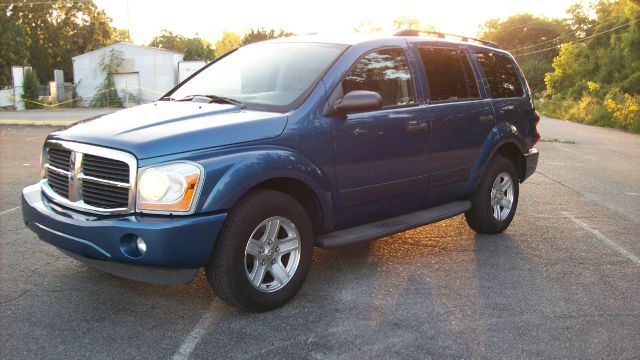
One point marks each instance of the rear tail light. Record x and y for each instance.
(537, 132)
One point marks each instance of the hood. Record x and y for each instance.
(169, 127)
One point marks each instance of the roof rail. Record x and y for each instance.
(441, 35)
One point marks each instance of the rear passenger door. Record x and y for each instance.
(461, 119)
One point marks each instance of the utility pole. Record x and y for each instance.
(128, 23)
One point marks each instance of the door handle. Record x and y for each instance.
(487, 119)
(416, 127)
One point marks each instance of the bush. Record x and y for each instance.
(615, 109)
(590, 110)
(31, 89)
(624, 109)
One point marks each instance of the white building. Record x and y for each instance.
(143, 74)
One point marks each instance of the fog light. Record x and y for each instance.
(141, 245)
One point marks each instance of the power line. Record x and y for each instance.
(516, 27)
(583, 39)
(542, 43)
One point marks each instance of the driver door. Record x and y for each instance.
(382, 162)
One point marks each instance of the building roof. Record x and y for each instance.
(150, 48)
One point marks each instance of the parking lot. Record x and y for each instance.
(562, 282)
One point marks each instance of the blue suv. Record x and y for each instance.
(285, 145)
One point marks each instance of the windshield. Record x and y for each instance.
(270, 76)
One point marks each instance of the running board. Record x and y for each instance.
(394, 225)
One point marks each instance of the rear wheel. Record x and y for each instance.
(264, 252)
(494, 203)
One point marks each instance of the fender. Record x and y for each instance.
(501, 134)
(228, 177)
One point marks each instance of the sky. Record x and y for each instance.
(209, 18)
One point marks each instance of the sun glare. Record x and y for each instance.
(146, 18)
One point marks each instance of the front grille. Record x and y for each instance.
(59, 183)
(60, 158)
(104, 168)
(96, 183)
(104, 196)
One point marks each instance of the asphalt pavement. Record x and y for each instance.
(561, 282)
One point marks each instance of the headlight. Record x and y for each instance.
(168, 188)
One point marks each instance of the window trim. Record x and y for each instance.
(518, 71)
(428, 99)
(412, 78)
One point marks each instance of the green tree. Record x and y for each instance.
(596, 78)
(229, 41)
(406, 22)
(608, 53)
(13, 47)
(120, 35)
(31, 89)
(261, 34)
(169, 41)
(367, 27)
(193, 48)
(532, 40)
(198, 49)
(59, 30)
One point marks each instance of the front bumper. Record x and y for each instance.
(530, 162)
(175, 245)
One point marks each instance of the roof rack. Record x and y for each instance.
(441, 35)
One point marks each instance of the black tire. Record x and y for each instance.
(481, 216)
(227, 271)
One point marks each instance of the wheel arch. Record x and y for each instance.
(275, 169)
(503, 140)
(302, 193)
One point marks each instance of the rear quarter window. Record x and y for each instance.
(501, 74)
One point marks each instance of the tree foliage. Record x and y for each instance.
(367, 27)
(406, 22)
(31, 89)
(58, 30)
(599, 73)
(13, 47)
(193, 48)
(168, 40)
(229, 41)
(120, 35)
(261, 34)
(198, 49)
(611, 59)
(527, 36)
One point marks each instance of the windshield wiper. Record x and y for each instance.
(209, 99)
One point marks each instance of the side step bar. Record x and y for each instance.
(394, 225)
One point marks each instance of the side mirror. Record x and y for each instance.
(359, 100)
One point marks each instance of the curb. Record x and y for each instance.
(38, 122)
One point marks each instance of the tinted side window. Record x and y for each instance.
(501, 75)
(449, 74)
(385, 72)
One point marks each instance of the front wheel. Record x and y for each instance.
(264, 252)
(494, 203)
